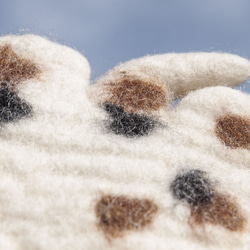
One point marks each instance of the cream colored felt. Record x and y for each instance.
(57, 164)
(64, 70)
(185, 72)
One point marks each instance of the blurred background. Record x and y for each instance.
(111, 31)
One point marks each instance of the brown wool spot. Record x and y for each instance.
(234, 131)
(221, 211)
(134, 95)
(14, 69)
(117, 214)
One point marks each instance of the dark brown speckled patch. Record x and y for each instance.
(14, 69)
(134, 95)
(221, 211)
(234, 131)
(117, 214)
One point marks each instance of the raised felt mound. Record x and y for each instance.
(116, 165)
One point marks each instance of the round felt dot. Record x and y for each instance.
(234, 131)
(117, 214)
(12, 108)
(193, 187)
(222, 211)
(129, 125)
(14, 69)
(134, 95)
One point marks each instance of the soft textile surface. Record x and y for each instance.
(115, 165)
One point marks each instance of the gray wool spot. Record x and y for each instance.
(12, 107)
(193, 187)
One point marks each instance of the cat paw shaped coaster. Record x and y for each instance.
(116, 165)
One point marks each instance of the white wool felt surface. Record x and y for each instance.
(199, 111)
(64, 71)
(56, 164)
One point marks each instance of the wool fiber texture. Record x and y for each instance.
(15, 69)
(11, 106)
(115, 165)
(130, 125)
(118, 214)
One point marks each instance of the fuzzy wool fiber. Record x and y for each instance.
(115, 165)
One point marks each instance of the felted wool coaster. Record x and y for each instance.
(116, 165)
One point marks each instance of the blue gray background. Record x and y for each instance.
(111, 31)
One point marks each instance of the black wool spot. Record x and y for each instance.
(11, 106)
(192, 187)
(130, 125)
